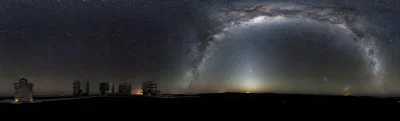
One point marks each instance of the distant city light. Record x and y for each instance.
(247, 92)
(136, 92)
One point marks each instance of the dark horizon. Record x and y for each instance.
(376, 95)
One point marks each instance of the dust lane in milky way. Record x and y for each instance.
(342, 17)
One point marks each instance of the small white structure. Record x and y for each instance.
(23, 91)
(124, 89)
(80, 88)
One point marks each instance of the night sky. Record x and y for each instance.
(189, 46)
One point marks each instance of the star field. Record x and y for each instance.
(289, 46)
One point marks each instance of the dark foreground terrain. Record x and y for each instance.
(213, 102)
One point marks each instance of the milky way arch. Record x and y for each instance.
(342, 17)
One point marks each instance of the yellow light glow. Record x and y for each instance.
(347, 94)
(247, 92)
(31, 100)
(139, 92)
(136, 92)
(346, 91)
(15, 100)
(250, 84)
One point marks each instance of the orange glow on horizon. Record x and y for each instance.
(136, 92)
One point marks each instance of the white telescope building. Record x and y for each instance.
(23, 91)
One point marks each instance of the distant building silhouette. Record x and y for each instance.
(106, 88)
(124, 89)
(150, 88)
(80, 88)
(23, 91)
